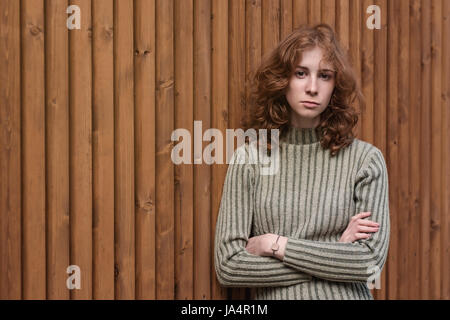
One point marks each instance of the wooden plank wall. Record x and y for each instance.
(86, 118)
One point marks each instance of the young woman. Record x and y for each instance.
(304, 232)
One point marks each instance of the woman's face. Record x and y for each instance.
(312, 81)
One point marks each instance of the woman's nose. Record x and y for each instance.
(311, 88)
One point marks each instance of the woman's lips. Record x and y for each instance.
(310, 104)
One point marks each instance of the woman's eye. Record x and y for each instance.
(324, 75)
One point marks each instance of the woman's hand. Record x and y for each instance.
(358, 227)
(261, 245)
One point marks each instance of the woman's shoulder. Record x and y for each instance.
(366, 151)
(244, 154)
(364, 146)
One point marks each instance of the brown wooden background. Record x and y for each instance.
(86, 117)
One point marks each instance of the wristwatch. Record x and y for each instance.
(275, 246)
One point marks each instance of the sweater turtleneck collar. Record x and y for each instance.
(301, 136)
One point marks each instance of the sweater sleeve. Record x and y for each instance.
(359, 261)
(234, 265)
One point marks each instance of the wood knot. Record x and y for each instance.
(146, 205)
(89, 32)
(434, 225)
(141, 53)
(165, 84)
(35, 30)
(225, 115)
(108, 33)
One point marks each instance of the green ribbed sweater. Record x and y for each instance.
(310, 199)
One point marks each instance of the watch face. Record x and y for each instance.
(275, 246)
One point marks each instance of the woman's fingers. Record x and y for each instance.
(360, 235)
(361, 215)
(360, 218)
(367, 229)
(368, 223)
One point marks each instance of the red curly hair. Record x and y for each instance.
(268, 107)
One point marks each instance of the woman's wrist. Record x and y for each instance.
(282, 242)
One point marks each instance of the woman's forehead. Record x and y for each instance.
(314, 59)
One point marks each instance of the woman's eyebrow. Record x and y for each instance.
(303, 67)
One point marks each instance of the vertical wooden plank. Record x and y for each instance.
(436, 145)
(425, 149)
(414, 137)
(328, 12)
(355, 53)
(57, 148)
(380, 102)
(367, 72)
(124, 220)
(236, 65)
(219, 116)
(403, 105)
(342, 23)
(445, 243)
(314, 12)
(164, 165)
(33, 150)
(299, 12)
(144, 77)
(184, 173)
(271, 26)
(10, 174)
(393, 152)
(253, 29)
(80, 69)
(103, 149)
(285, 18)
(202, 171)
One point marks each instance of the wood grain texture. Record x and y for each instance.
(33, 150)
(124, 218)
(185, 244)
(286, 18)
(10, 152)
(87, 115)
(414, 138)
(425, 148)
(404, 120)
(165, 223)
(202, 171)
(220, 115)
(299, 12)
(145, 131)
(103, 148)
(445, 240)
(328, 12)
(314, 11)
(380, 106)
(436, 151)
(393, 149)
(80, 97)
(57, 149)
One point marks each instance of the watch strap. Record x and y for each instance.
(275, 243)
